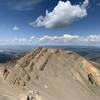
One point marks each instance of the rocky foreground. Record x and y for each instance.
(50, 74)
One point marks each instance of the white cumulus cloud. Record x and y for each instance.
(63, 14)
(15, 28)
(93, 38)
(63, 38)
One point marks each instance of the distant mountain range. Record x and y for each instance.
(9, 52)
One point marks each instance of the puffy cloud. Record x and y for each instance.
(63, 14)
(15, 28)
(64, 38)
(93, 38)
(24, 40)
(17, 41)
(20, 40)
(85, 3)
(47, 39)
(32, 38)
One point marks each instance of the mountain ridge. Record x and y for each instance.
(46, 69)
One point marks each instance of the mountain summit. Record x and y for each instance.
(51, 74)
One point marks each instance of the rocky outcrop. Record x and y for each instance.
(29, 66)
(31, 95)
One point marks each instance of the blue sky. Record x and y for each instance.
(50, 22)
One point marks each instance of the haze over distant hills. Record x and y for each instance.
(9, 52)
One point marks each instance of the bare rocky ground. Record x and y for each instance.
(50, 74)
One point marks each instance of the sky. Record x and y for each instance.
(50, 22)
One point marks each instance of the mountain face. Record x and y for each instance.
(50, 74)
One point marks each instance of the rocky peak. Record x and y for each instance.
(53, 64)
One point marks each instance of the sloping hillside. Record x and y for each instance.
(51, 74)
